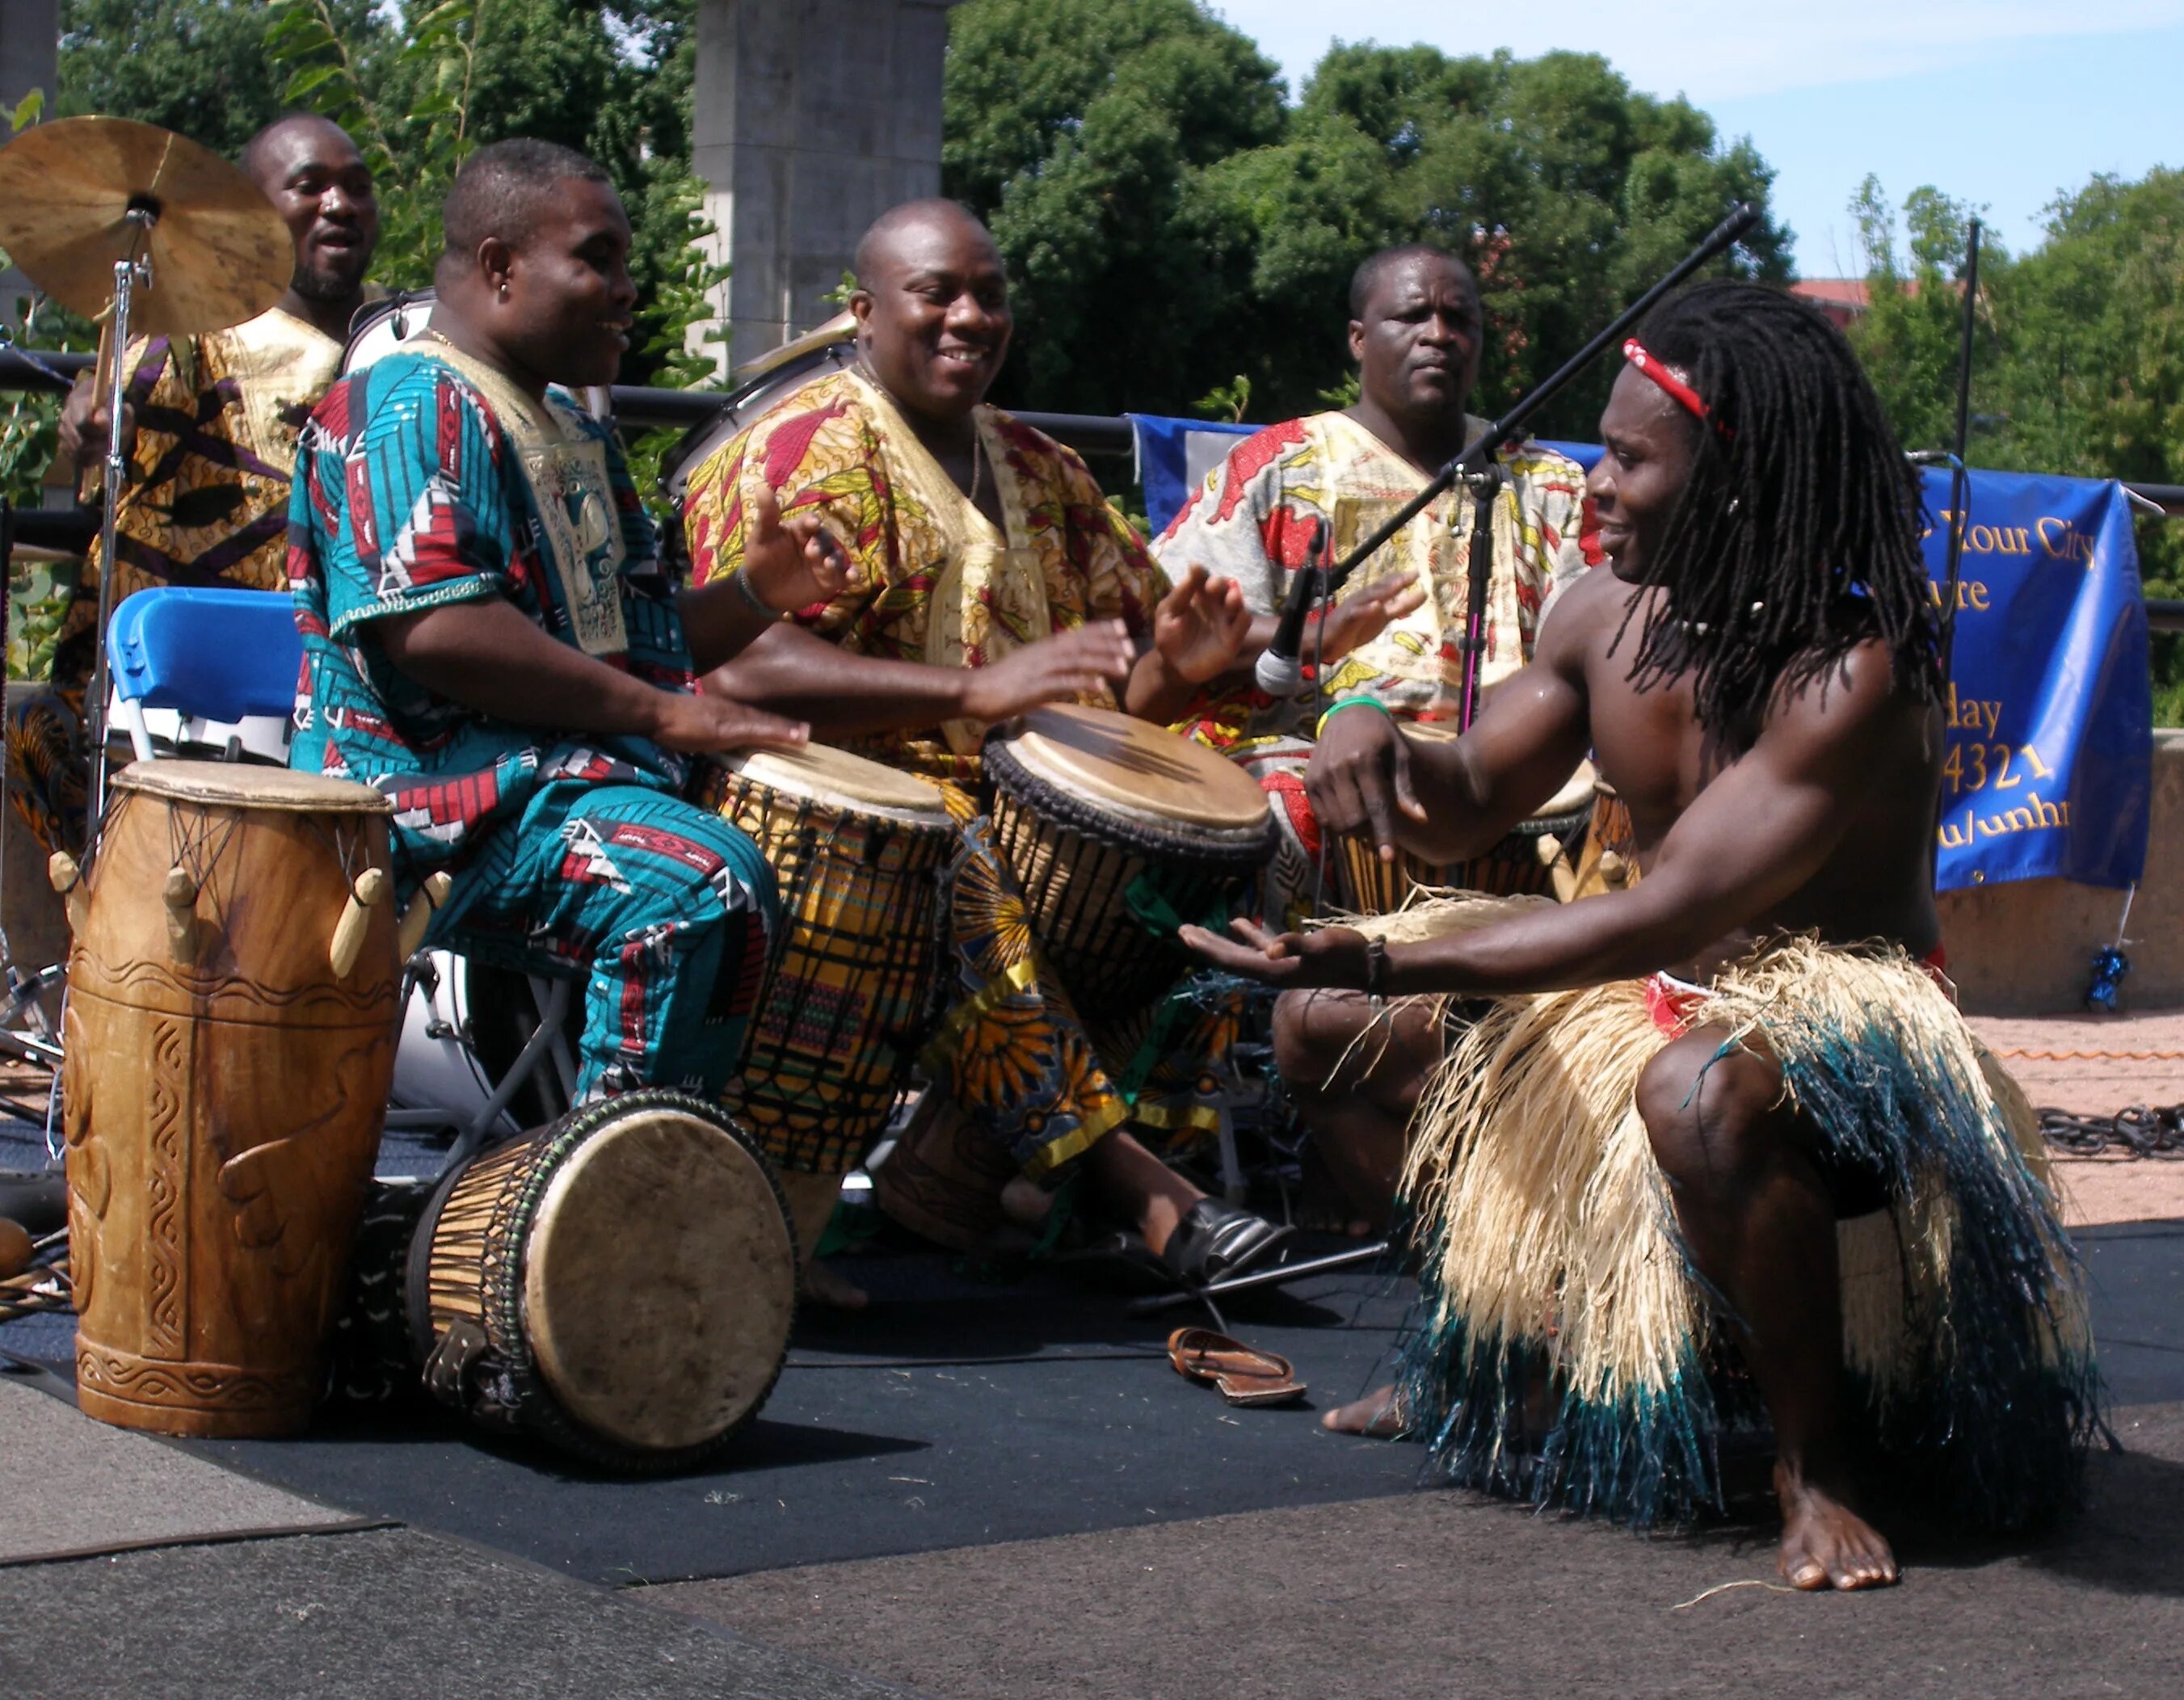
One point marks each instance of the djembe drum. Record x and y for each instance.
(229, 1039)
(857, 850)
(620, 1283)
(1115, 832)
(1525, 863)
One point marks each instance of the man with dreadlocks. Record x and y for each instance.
(1722, 1133)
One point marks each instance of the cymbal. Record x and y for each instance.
(219, 251)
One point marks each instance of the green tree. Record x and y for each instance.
(1082, 130)
(1565, 191)
(196, 67)
(2078, 359)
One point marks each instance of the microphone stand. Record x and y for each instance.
(1486, 485)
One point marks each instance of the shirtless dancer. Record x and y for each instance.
(1757, 677)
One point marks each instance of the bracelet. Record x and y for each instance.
(741, 580)
(1320, 730)
(1377, 968)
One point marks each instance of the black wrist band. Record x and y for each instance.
(1377, 967)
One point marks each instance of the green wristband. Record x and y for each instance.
(1320, 731)
(741, 580)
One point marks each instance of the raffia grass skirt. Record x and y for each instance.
(1552, 1262)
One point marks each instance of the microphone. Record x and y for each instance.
(1279, 670)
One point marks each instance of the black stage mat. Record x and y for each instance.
(951, 1414)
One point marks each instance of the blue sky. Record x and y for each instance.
(1984, 99)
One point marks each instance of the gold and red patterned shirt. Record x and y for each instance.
(933, 579)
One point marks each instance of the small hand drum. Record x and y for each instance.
(1117, 831)
(620, 1283)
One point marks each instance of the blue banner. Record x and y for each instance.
(2049, 763)
(1175, 456)
(2049, 766)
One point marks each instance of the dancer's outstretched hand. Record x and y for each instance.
(1332, 956)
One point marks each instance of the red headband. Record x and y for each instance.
(1679, 392)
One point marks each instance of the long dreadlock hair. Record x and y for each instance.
(1797, 537)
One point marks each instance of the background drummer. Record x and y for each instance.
(489, 640)
(1416, 327)
(213, 425)
(988, 576)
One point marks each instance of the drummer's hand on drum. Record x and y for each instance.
(702, 724)
(1202, 626)
(1332, 956)
(1056, 669)
(1357, 620)
(1359, 778)
(83, 424)
(792, 564)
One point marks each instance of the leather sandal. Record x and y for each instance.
(1244, 1374)
(1215, 1240)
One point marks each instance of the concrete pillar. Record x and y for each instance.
(29, 43)
(812, 117)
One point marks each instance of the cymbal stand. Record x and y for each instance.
(128, 273)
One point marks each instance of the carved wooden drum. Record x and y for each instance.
(226, 1072)
(620, 1283)
(1526, 862)
(857, 850)
(1116, 832)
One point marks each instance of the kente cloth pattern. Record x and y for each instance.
(1550, 1249)
(933, 579)
(427, 479)
(207, 503)
(1029, 1073)
(663, 908)
(1251, 521)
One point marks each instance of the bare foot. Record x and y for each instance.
(1378, 1414)
(825, 1285)
(1824, 1543)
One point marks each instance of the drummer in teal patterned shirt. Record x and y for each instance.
(489, 639)
(1416, 328)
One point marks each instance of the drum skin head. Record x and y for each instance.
(659, 1281)
(842, 780)
(1138, 769)
(235, 785)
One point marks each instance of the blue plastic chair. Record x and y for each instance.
(222, 663)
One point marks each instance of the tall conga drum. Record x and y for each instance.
(232, 991)
(1115, 832)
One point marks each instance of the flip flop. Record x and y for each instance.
(1244, 1374)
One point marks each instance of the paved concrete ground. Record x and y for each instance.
(1439, 1594)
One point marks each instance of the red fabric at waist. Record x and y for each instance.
(1674, 1004)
